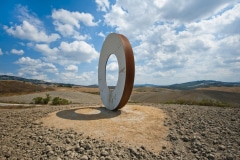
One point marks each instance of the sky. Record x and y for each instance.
(173, 41)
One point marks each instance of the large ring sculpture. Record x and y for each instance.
(118, 45)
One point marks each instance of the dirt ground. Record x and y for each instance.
(133, 125)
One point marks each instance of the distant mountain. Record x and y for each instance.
(201, 84)
(193, 85)
(34, 81)
(145, 85)
(181, 86)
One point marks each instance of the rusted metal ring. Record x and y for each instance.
(118, 45)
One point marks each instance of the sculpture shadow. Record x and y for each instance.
(104, 113)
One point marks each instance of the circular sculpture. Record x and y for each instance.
(118, 45)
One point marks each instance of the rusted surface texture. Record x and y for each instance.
(130, 71)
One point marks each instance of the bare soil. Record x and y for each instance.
(195, 132)
(147, 130)
(134, 125)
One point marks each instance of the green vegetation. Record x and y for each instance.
(60, 101)
(47, 99)
(203, 102)
(41, 100)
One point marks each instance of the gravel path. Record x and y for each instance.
(196, 132)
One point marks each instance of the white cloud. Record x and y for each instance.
(31, 28)
(188, 11)
(85, 78)
(67, 22)
(112, 64)
(100, 34)
(78, 51)
(66, 53)
(72, 68)
(35, 68)
(24, 14)
(131, 17)
(46, 50)
(18, 52)
(30, 32)
(173, 46)
(73, 18)
(1, 53)
(103, 5)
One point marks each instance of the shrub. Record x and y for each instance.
(38, 100)
(41, 100)
(47, 99)
(60, 101)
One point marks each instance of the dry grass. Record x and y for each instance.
(229, 95)
(90, 90)
(224, 89)
(10, 88)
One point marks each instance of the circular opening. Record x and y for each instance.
(112, 70)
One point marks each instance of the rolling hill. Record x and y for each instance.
(227, 92)
(13, 87)
(181, 86)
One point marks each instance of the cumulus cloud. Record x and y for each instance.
(31, 28)
(181, 39)
(1, 53)
(85, 78)
(78, 51)
(67, 22)
(66, 53)
(23, 14)
(71, 68)
(188, 11)
(18, 52)
(30, 32)
(112, 64)
(102, 5)
(35, 68)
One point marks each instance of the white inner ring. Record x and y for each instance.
(112, 45)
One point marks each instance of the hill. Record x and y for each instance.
(181, 86)
(34, 81)
(228, 95)
(13, 87)
(201, 84)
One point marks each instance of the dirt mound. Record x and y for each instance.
(133, 125)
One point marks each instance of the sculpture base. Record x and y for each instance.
(133, 125)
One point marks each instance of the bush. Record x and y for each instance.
(60, 101)
(41, 100)
(47, 99)
(38, 100)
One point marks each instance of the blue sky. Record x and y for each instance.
(172, 41)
